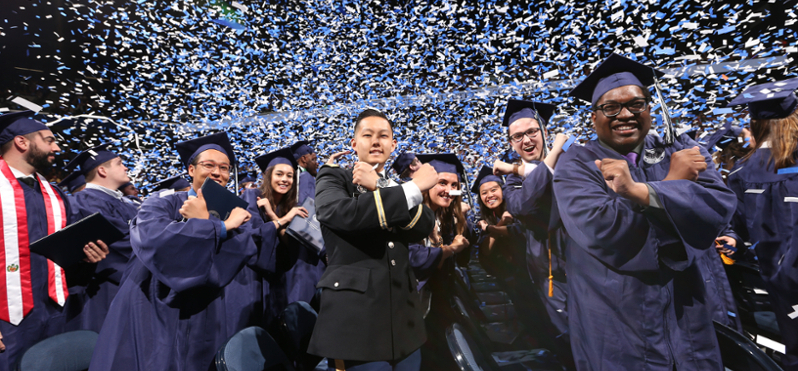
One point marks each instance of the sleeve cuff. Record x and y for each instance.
(412, 194)
(528, 169)
(223, 234)
(653, 199)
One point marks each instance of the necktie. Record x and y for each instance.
(28, 180)
(632, 157)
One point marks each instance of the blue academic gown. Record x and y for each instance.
(297, 268)
(187, 289)
(307, 186)
(531, 200)
(637, 302)
(720, 299)
(46, 318)
(767, 215)
(438, 282)
(92, 287)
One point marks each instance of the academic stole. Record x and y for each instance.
(15, 276)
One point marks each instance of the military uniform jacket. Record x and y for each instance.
(370, 309)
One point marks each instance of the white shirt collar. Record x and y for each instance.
(115, 193)
(19, 174)
(765, 144)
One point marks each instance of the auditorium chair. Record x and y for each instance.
(252, 349)
(70, 351)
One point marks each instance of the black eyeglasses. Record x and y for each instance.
(531, 133)
(612, 109)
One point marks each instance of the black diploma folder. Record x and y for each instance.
(65, 247)
(220, 201)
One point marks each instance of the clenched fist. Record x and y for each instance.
(619, 180)
(686, 164)
(364, 175)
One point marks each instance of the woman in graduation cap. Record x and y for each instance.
(297, 268)
(766, 184)
(194, 280)
(501, 247)
(433, 259)
(529, 197)
(640, 210)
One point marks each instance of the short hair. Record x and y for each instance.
(371, 112)
(93, 172)
(7, 146)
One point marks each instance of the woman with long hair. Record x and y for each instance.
(433, 259)
(296, 270)
(502, 244)
(766, 184)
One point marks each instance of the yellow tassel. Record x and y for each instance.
(726, 260)
(551, 277)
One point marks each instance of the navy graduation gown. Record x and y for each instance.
(186, 290)
(46, 318)
(307, 186)
(297, 268)
(92, 287)
(720, 299)
(531, 201)
(636, 300)
(767, 215)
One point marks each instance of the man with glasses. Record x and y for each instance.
(640, 212)
(529, 198)
(193, 281)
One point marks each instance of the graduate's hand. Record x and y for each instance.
(364, 175)
(728, 241)
(263, 203)
(297, 211)
(686, 164)
(237, 217)
(425, 177)
(335, 156)
(459, 243)
(619, 180)
(195, 207)
(483, 225)
(465, 207)
(502, 168)
(507, 219)
(95, 251)
(2, 346)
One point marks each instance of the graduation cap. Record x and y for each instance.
(522, 109)
(246, 176)
(485, 175)
(280, 156)
(190, 149)
(614, 72)
(300, 149)
(175, 182)
(723, 137)
(617, 71)
(91, 158)
(443, 162)
(403, 162)
(123, 186)
(18, 123)
(773, 100)
(73, 181)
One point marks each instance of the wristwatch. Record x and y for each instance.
(383, 182)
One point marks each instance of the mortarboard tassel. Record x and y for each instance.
(551, 277)
(726, 260)
(666, 117)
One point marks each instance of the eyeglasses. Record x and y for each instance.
(210, 166)
(612, 109)
(531, 133)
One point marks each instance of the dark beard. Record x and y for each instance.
(39, 159)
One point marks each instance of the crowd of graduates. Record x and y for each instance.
(607, 247)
